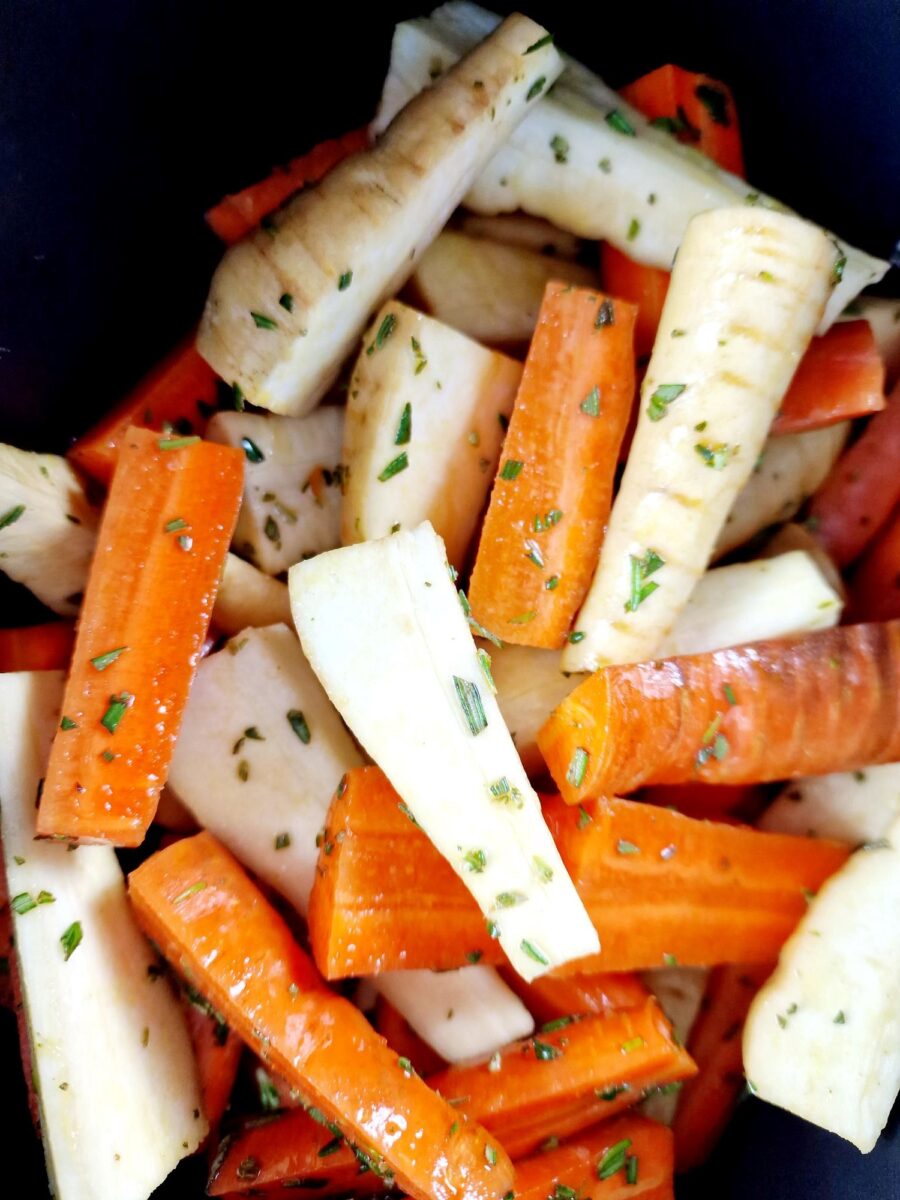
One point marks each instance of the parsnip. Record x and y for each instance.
(795, 536)
(464, 1015)
(491, 292)
(785, 475)
(852, 806)
(585, 159)
(259, 755)
(530, 684)
(112, 1064)
(292, 484)
(423, 431)
(246, 596)
(822, 1038)
(527, 233)
(287, 304)
(883, 314)
(746, 293)
(47, 527)
(383, 628)
(679, 991)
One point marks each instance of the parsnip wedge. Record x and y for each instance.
(530, 684)
(851, 806)
(463, 1015)
(259, 755)
(746, 293)
(424, 431)
(883, 315)
(287, 304)
(679, 991)
(489, 291)
(113, 1067)
(384, 630)
(585, 159)
(527, 233)
(246, 596)
(822, 1038)
(47, 527)
(292, 484)
(787, 472)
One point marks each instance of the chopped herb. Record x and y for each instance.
(837, 271)
(841, 1018)
(606, 314)
(625, 847)
(405, 1065)
(613, 1160)
(551, 1143)
(102, 661)
(605, 165)
(591, 403)
(177, 443)
(552, 583)
(765, 276)
(300, 726)
(490, 1155)
(344, 280)
(174, 525)
(190, 891)
(510, 899)
(641, 570)
(475, 860)
(662, 398)
(237, 397)
(546, 40)
(577, 767)
(729, 694)
(584, 817)
(543, 869)
(385, 329)
(421, 360)
(116, 711)
(634, 228)
(560, 148)
(670, 960)
(668, 124)
(261, 321)
(145, 1036)
(407, 811)
(511, 469)
(23, 903)
(470, 701)
(621, 124)
(533, 952)
(559, 1023)
(504, 793)
(394, 467)
(716, 457)
(484, 661)
(67, 723)
(19, 860)
(251, 450)
(533, 553)
(282, 841)
(536, 88)
(632, 1044)
(631, 1169)
(576, 636)
(715, 101)
(243, 770)
(544, 1051)
(271, 530)
(404, 427)
(611, 1093)
(11, 516)
(475, 956)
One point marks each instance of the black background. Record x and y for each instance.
(122, 120)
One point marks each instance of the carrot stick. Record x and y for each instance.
(237, 214)
(179, 393)
(553, 491)
(576, 1167)
(708, 802)
(875, 591)
(160, 550)
(862, 490)
(209, 919)
(706, 1101)
(218, 1054)
(401, 1037)
(840, 376)
(550, 997)
(37, 647)
(643, 286)
(803, 705)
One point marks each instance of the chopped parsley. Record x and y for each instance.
(606, 314)
(174, 525)
(634, 228)
(524, 618)
(533, 553)
(177, 443)
(544, 1051)
(626, 847)
(584, 817)
(190, 891)
(67, 723)
(641, 570)
(664, 395)
(421, 360)
(504, 793)
(286, 300)
(484, 661)
(509, 899)
(271, 530)
(543, 869)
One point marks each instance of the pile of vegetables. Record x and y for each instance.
(440, 664)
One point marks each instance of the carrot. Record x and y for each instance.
(199, 906)
(237, 214)
(707, 1100)
(218, 1054)
(551, 997)
(840, 376)
(698, 110)
(553, 491)
(37, 647)
(179, 394)
(643, 286)
(160, 551)
(618, 1160)
(875, 590)
(803, 705)
(707, 801)
(862, 490)
(401, 1037)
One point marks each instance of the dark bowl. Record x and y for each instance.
(121, 122)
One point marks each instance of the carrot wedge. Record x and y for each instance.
(161, 547)
(707, 1100)
(180, 392)
(875, 590)
(804, 705)
(643, 286)
(400, 1036)
(237, 214)
(552, 997)
(552, 495)
(218, 1054)
(37, 647)
(208, 918)
(840, 376)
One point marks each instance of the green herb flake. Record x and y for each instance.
(605, 165)
(576, 636)
(271, 530)
(475, 860)
(474, 956)
(177, 443)
(484, 661)
(102, 661)
(536, 88)
(344, 280)
(664, 395)
(469, 698)
(560, 148)
(261, 321)
(490, 1156)
(23, 903)
(611, 1093)
(765, 276)
(394, 467)
(282, 841)
(621, 124)
(404, 426)
(641, 570)
(606, 314)
(533, 553)
(716, 457)
(67, 723)
(544, 1051)
(626, 847)
(840, 1018)
(543, 869)
(584, 817)
(11, 516)
(251, 450)
(534, 953)
(421, 360)
(631, 1169)
(174, 525)
(635, 1043)
(511, 469)
(634, 228)
(70, 941)
(509, 899)
(613, 1160)
(504, 793)
(591, 403)
(118, 705)
(405, 1066)
(577, 768)
(385, 329)
(300, 725)
(546, 40)
(837, 271)
(552, 583)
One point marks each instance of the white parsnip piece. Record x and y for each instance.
(747, 291)
(883, 315)
(424, 428)
(112, 1063)
(527, 233)
(260, 753)
(851, 806)
(383, 628)
(246, 596)
(822, 1038)
(530, 684)
(679, 991)
(287, 304)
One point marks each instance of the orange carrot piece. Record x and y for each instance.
(707, 801)
(840, 376)
(707, 1100)
(875, 590)
(401, 1037)
(179, 393)
(237, 214)
(550, 997)
(209, 919)
(862, 490)
(218, 1054)
(803, 705)
(643, 286)
(145, 615)
(573, 1167)
(553, 491)
(45, 647)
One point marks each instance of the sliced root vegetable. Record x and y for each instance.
(462, 1015)
(552, 495)
(883, 315)
(420, 700)
(177, 395)
(248, 597)
(7, 957)
(259, 735)
(745, 296)
(530, 684)
(161, 546)
(841, 376)
(194, 896)
(287, 304)
(293, 480)
(645, 287)
(852, 806)
(400, 1036)
(238, 214)
(586, 159)
(528, 233)
(37, 647)
(679, 993)
(708, 802)
(425, 418)
(490, 291)
(110, 1055)
(218, 1055)
(822, 1038)
(552, 997)
(807, 705)
(875, 590)
(786, 473)
(795, 536)
(707, 1100)
(47, 527)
